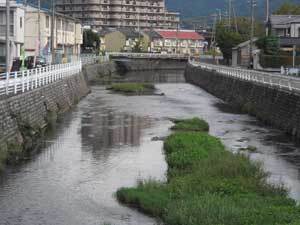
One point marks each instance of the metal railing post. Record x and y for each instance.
(7, 83)
(23, 82)
(15, 83)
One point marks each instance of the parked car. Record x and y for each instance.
(2, 68)
(40, 62)
(17, 63)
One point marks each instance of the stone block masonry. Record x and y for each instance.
(23, 117)
(276, 107)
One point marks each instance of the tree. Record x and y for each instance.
(226, 40)
(138, 47)
(91, 40)
(288, 8)
(269, 45)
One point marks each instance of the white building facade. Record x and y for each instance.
(17, 27)
(67, 34)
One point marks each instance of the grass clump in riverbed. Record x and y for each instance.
(208, 185)
(194, 124)
(133, 88)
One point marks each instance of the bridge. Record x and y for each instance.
(147, 56)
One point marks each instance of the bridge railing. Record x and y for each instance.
(88, 59)
(273, 80)
(22, 81)
(147, 55)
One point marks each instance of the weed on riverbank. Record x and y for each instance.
(133, 88)
(208, 185)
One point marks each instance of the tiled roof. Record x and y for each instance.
(284, 20)
(180, 34)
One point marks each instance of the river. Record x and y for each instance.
(105, 143)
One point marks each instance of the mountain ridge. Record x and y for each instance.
(196, 8)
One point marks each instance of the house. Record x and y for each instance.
(180, 41)
(287, 28)
(152, 41)
(118, 40)
(68, 34)
(285, 25)
(241, 53)
(17, 20)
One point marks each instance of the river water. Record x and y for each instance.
(106, 143)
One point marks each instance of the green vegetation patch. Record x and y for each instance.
(194, 124)
(133, 88)
(208, 185)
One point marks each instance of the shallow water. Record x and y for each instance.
(105, 143)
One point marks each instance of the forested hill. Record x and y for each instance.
(196, 8)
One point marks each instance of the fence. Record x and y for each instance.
(273, 80)
(147, 55)
(22, 81)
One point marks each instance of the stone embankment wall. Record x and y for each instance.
(23, 117)
(275, 107)
(101, 72)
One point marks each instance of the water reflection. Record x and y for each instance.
(109, 129)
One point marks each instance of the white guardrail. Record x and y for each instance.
(271, 79)
(22, 81)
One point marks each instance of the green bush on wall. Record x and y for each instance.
(276, 61)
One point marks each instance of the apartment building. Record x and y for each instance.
(101, 14)
(17, 21)
(67, 33)
(187, 42)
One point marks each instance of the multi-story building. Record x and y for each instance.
(120, 13)
(67, 33)
(17, 24)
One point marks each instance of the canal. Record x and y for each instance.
(110, 141)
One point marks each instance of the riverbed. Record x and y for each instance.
(106, 143)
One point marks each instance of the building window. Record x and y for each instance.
(47, 21)
(21, 22)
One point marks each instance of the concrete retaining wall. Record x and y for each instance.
(24, 116)
(274, 107)
(126, 65)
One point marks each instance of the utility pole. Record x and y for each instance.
(39, 26)
(229, 13)
(213, 39)
(267, 16)
(52, 32)
(252, 33)
(7, 36)
(177, 38)
(220, 14)
(235, 19)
